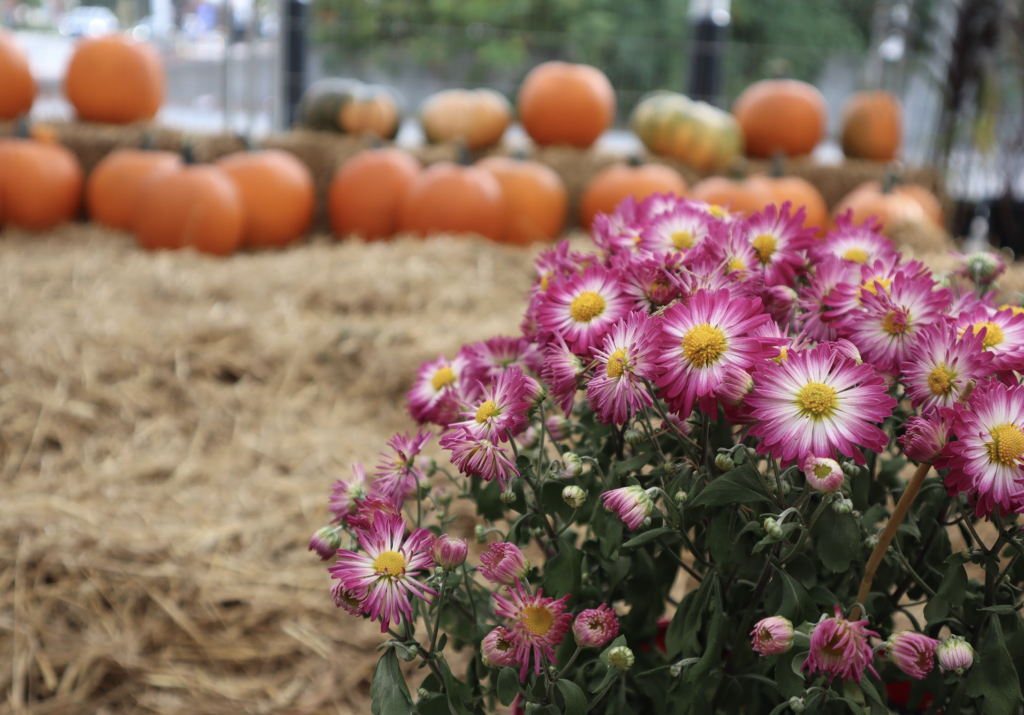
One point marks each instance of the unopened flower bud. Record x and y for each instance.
(871, 541)
(537, 531)
(325, 542)
(621, 658)
(529, 438)
(955, 654)
(851, 469)
(449, 553)
(797, 704)
(966, 554)
(573, 465)
(786, 487)
(508, 496)
(443, 494)
(633, 436)
(427, 465)
(772, 635)
(823, 474)
(842, 505)
(574, 496)
(772, 527)
(558, 427)
(724, 462)
(480, 534)
(681, 497)
(645, 524)
(422, 692)
(676, 670)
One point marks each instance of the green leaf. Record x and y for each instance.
(739, 486)
(838, 540)
(713, 648)
(994, 678)
(451, 688)
(854, 707)
(487, 498)
(788, 598)
(871, 693)
(1001, 610)
(562, 572)
(551, 496)
(936, 610)
(508, 685)
(388, 692)
(575, 700)
(684, 628)
(649, 536)
(612, 538)
(791, 684)
(954, 586)
(632, 464)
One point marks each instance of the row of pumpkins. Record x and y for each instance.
(115, 79)
(265, 198)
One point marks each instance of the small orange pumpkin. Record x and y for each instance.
(536, 200)
(478, 117)
(366, 191)
(740, 197)
(798, 191)
(277, 196)
(112, 190)
(18, 90)
(447, 197)
(781, 115)
(348, 106)
(614, 183)
(892, 204)
(41, 183)
(563, 103)
(114, 79)
(192, 205)
(872, 126)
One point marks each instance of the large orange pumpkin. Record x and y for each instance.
(741, 197)
(366, 191)
(112, 190)
(193, 205)
(798, 191)
(115, 79)
(891, 204)
(17, 89)
(872, 126)
(614, 183)
(41, 183)
(277, 196)
(447, 197)
(563, 103)
(536, 200)
(478, 117)
(781, 116)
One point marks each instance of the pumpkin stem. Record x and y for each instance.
(22, 130)
(891, 180)
(147, 142)
(635, 160)
(246, 141)
(520, 154)
(778, 164)
(462, 156)
(188, 152)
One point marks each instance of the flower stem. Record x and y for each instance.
(469, 592)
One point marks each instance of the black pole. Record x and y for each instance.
(709, 24)
(293, 52)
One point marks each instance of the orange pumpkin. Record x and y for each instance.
(891, 204)
(18, 90)
(740, 197)
(348, 106)
(614, 183)
(114, 79)
(536, 200)
(781, 115)
(872, 126)
(277, 196)
(477, 117)
(192, 205)
(366, 191)
(562, 103)
(799, 192)
(447, 197)
(41, 183)
(112, 190)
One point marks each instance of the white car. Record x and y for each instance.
(89, 21)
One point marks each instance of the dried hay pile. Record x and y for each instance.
(170, 425)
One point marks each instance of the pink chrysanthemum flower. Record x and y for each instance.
(679, 230)
(817, 402)
(982, 267)
(829, 273)
(657, 204)
(845, 302)
(437, 393)
(345, 494)
(779, 238)
(855, 243)
(540, 624)
(735, 386)
(911, 652)
(925, 437)
(350, 600)
(480, 457)
(779, 302)
(739, 259)
(387, 570)
(772, 636)
(1004, 335)
(822, 474)
(584, 307)
(886, 332)
(840, 648)
(498, 649)
(562, 372)
(969, 302)
(504, 563)
(449, 553)
(595, 627)
(619, 231)
(704, 269)
(646, 279)
(941, 366)
(617, 390)
(986, 459)
(369, 509)
(397, 473)
(488, 359)
(677, 423)
(703, 338)
(503, 407)
(631, 504)
(955, 654)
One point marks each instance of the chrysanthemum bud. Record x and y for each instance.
(573, 465)
(427, 465)
(983, 267)
(508, 497)
(443, 494)
(574, 496)
(480, 534)
(966, 554)
(325, 542)
(842, 505)
(632, 504)
(595, 627)
(645, 524)
(797, 704)
(823, 474)
(529, 438)
(558, 427)
(681, 497)
(724, 462)
(851, 469)
(621, 658)
(633, 436)
(676, 670)
(786, 487)
(955, 654)
(498, 650)
(423, 693)
(912, 652)
(871, 541)
(772, 635)
(449, 553)
(504, 563)
(772, 527)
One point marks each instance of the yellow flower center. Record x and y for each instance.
(390, 563)
(822, 472)
(940, 380)
(538, 620)
(1007, 445)
(873, 284)
(736, 264)
(444, 376)
(993, 334)
(765, 247)
(717, 211)
(834, 651)
(1015, 309)
(857, 255)
(485, 411)
(586, 306)
(682, 240)
(545, 281)
(817, 399)
(617, 363)
(781, 358)
(896, 323)
(703, 345)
